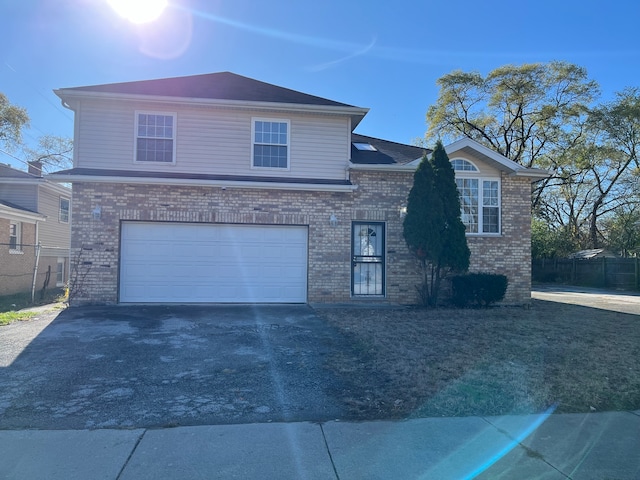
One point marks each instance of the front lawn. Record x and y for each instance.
(447, 362)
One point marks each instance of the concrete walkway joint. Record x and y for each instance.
(564, 446)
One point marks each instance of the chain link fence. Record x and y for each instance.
(34, 269)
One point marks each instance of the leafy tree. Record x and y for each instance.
(543, 115)
(531, 113)
(432, 227)
(615, 170)
(602, 175)
(548, 241)
(522, 112)
(12, 120)
(52, 152)
(623, 231)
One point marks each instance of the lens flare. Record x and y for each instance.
(139, 11)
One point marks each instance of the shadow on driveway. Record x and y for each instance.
(159, 366)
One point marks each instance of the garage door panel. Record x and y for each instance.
(172, 262)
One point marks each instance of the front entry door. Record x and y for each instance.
(367, 277)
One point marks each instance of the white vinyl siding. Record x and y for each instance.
(24, 195)
(51, 232)
(211, 141)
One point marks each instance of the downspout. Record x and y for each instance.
(35, 270)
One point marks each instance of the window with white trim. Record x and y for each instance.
(155, 137)
(15, 236)
(63, 216)
(60, 272)
(270, 144)
(479, 199)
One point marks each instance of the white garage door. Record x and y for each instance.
(175, 262)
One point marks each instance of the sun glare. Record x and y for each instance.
(139, 11)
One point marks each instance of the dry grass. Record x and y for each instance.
(414, 362)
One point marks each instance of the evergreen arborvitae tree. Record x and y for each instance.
(455, 255)
(432, 227)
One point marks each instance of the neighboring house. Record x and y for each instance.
(221, 188)
(593, 253)
(33, 212)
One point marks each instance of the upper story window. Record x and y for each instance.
(64, 210)
(479, 198)
(270, 145)
(155, 137)
(15, 234)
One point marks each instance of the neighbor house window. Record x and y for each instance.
(15, 234)
(64, 210)
(479, 198)
(155, 137)
(270, 146)
(60, 272)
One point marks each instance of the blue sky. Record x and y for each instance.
(384, 55)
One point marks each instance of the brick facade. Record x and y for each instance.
(379, 197)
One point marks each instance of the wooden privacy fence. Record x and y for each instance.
(619, 273)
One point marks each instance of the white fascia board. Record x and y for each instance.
(316, 187)
(236, 104)
(513, 168)
(21, 215)
(407, 167)
(495, 156)
(535, 174)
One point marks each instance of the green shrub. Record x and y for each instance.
(478, 289)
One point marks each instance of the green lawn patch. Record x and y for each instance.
(8, 317)
(19, 301)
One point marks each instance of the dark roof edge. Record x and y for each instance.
(92, 172)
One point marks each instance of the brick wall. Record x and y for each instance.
(380, 196)
(510, 253)
(16, 269)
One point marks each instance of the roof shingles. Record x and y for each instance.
(212, 86)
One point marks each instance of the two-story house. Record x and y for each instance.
(221, 188)
(35, 231)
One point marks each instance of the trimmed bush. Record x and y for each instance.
(478, 289)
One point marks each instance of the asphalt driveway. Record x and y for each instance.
(159, 366)
(615, 301)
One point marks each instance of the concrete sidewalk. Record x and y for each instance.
(576, 446)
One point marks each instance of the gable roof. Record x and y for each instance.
(212, 86)
(223, 88)
(495, 159)
(385, 153)
(491, 157)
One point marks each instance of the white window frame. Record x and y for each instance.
(18, 237)
(61, 262)
(254, 143)
(173, 136)
(476, 175)
(63, 217)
